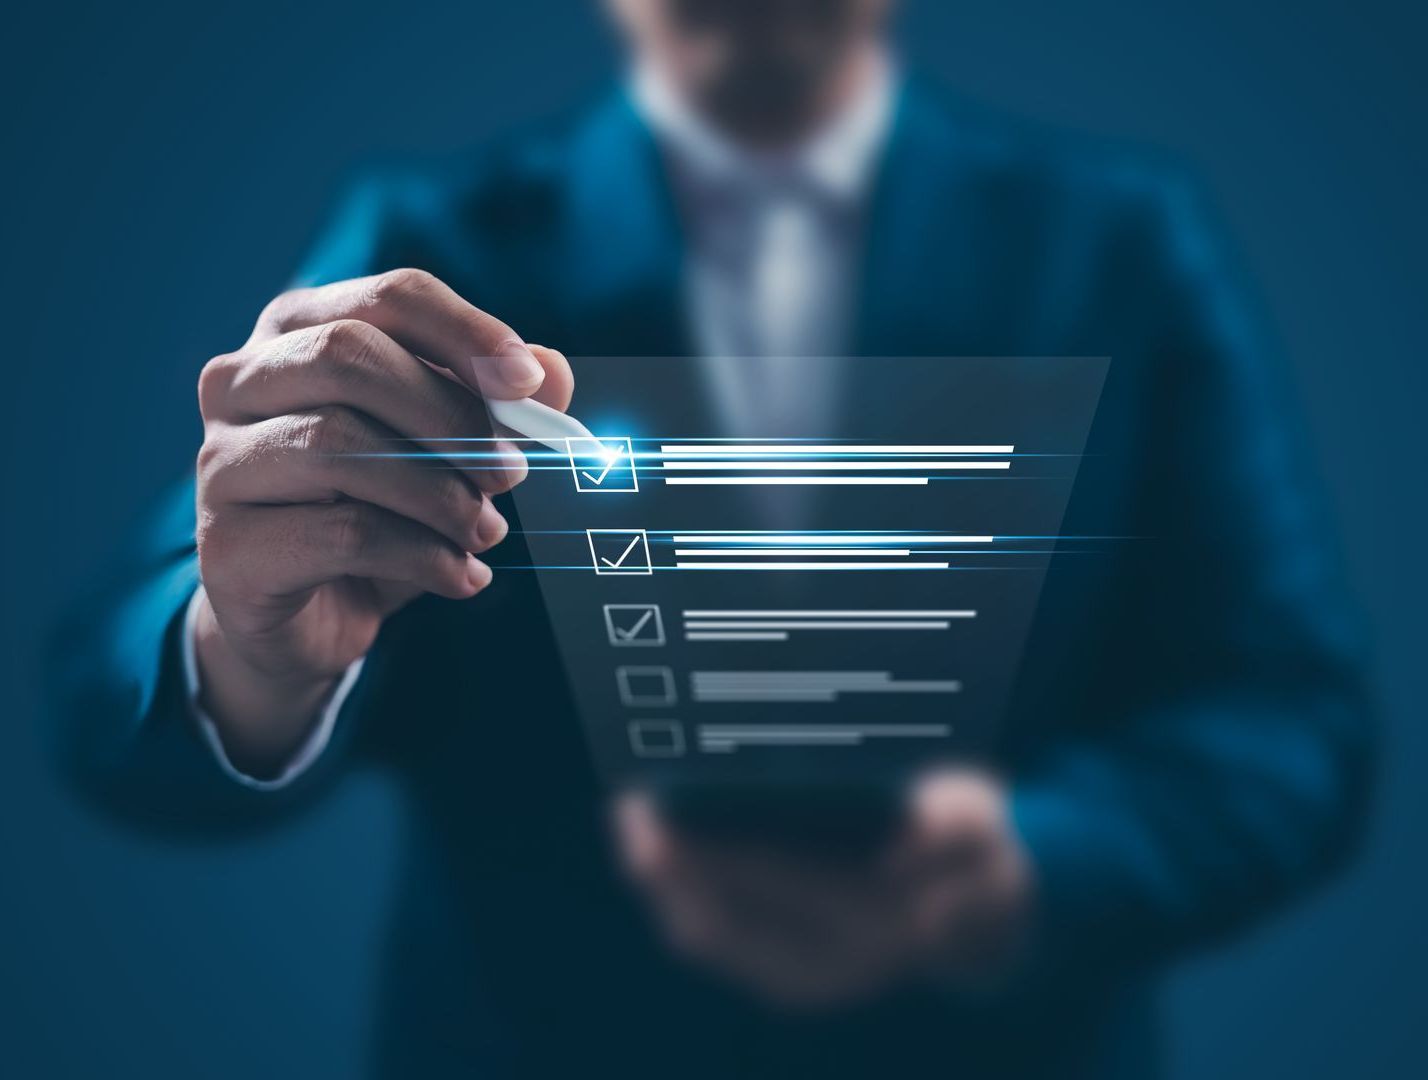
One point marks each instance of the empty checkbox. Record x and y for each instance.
(641, 687)
(656, 738)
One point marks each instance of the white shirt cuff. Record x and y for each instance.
(303, 757)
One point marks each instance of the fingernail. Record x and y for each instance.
(512, 463)
(477, 572)
(518, 366)
(491, 525)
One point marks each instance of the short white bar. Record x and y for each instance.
(719, 449)
(796, 481)
(820, 625)
(811, 566)
(792, 674)
(698, 613)
(747, 551)
(892, 731)
(736, 637)
(742, 680)
(818, 696)
(813, 738)
(824, 538)
(755, 465)
(706, 693)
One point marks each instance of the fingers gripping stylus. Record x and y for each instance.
(530, 419)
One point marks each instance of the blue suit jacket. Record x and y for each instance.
(1192, 752)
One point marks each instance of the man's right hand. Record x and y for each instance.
(305, 545)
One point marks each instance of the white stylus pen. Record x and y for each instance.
(530, 419)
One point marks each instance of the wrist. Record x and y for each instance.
(992, 944)
(261, 715)
(978, 939)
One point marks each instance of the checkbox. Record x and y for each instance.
(633, 625)
(645, 686)
(656, 738)
(602, 465)
(619, 551)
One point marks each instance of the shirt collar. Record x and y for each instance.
(838, 159)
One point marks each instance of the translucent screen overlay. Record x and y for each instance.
(801, 568)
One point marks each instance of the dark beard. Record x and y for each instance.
(766, 103)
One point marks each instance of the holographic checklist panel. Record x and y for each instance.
(805, 568)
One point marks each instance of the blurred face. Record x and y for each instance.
(762, 69)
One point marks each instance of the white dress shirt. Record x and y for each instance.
(772, 244)
(772, 241)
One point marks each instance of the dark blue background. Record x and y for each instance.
(164, 169)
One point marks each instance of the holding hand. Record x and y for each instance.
(949, 899)
(305, 546)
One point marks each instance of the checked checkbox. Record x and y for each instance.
(603, 465)
(619, 551)
(629, 625)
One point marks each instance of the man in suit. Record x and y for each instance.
(1188, 745)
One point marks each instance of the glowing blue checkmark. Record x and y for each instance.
(603, 465)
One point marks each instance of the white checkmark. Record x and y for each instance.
(623, 555)
(632, 631)
(610, 462)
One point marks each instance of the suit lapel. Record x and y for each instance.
(622, 281)
(913, 284)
